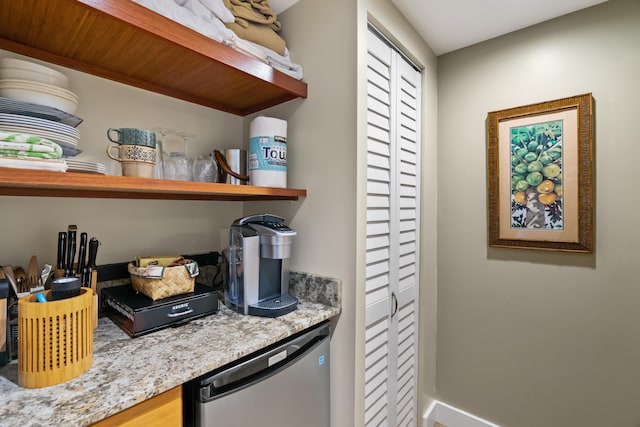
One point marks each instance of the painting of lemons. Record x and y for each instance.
(536, 176)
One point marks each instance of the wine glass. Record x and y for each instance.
(182, 164)
(160, 154)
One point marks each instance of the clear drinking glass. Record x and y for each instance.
(179, 165)
(205, 169)
(161, 137)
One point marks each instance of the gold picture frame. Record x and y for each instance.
(540, 172)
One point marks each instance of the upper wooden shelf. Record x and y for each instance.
(123, 41)
(21, 182)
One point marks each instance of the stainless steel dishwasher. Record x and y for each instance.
(286, 384)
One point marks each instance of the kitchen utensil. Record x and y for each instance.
(44, 275)
(71, 249)
(8, 273)
(62, 250)
(224, 169)
(5, 356)
(91, 263)
(21, 277)
(82, 255)
(33, 275)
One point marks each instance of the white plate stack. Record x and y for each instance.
(61, 134)
(34, 100)
(85, 166)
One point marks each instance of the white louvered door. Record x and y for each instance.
(393, 134)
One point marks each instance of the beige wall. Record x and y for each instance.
(529, 338)
(321, 151)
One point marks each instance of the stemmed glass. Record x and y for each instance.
(160, 154)
(179, 165)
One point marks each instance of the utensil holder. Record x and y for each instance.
(56, 339)
(57, 273)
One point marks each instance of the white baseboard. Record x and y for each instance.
(447, 415)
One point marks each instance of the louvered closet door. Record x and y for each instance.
(393, 111)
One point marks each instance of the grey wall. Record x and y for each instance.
(530, 338)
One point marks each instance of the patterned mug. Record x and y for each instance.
(136, 160)
(132, 136)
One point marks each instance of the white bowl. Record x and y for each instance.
(12, 68)
(34, 76)
(37, 95)
(38, 87)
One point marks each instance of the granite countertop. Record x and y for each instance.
(127, 371)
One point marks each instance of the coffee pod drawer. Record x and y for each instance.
(56, 339)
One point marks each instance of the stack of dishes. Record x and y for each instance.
(61, 134)
(29, 82)
(75, 165)
(37, 126)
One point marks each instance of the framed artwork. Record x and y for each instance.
(540, 173)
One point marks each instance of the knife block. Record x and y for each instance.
(56, 339)
(57, 273)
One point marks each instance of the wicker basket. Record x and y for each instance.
(55, 339)
(161, 282)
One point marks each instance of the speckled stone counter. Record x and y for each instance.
(127, 371)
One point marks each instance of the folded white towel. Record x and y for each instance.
(182, 15)
(279, 62)
(34, 164)
(216, 30)
(195, 7)
(218, 8)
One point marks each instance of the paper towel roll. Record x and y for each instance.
(268, 152)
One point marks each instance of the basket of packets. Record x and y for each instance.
(163, 277)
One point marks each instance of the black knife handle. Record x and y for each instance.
(71, 253)
(82, 255)
(91, 263)
(93, 252)
(62, 250)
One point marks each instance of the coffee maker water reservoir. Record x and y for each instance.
(259, 252)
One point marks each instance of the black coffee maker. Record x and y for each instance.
(258, 281)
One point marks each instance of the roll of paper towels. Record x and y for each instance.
(268, 152)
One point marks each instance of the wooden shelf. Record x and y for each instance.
(123, 41)
(22, 182)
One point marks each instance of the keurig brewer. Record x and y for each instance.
(259, 251)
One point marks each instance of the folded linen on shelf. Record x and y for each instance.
(256, 22)
(218, 8)
(279, 62)
(207, 10)
(184, 16)
(216, 30)
(20, 145)
(34, 164)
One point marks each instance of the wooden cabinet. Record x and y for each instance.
(160, 411)
(123, 41)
